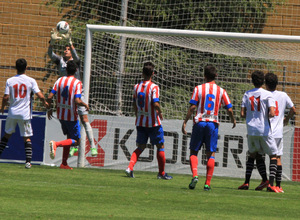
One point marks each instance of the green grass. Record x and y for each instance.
(51, 193)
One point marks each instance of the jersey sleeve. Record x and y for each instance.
(134, 93)
(244, 99)
(289, 102)
(271, 101)
(155, 94)
(55, 58)
(78, 90)
(226, 101)
(6, 92)
(195, 96)
(35, 87)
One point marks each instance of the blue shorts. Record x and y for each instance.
(156, 135)
(71, 129)
(205, 132)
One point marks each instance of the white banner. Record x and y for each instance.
(115, 138)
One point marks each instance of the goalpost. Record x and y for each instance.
(179, 57)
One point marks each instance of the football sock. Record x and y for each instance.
(278, 175)
(134, 157)
(194, 165)
(3, 144)
(273, 170)
(249, 169)
(28, 151)
(261, 166)
(209, 170)
(66, 151)
(65, 143)
(161, 159)
(89, 133)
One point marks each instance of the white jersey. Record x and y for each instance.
(282, 101)
(257, 102)
(20, 89)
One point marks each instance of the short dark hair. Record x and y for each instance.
(271, 81)
(21, 65)
(210, 72)
(148, 68)
(71, 67)
(258, 78)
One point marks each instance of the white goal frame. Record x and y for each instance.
(90, 29)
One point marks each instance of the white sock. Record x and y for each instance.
(89, 133)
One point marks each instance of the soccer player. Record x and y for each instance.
(258, 105)
(148, 121)
(282, 101)
(18, 93)
(68, 96)
(61, 62)
(206, 100)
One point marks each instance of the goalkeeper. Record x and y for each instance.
(61, 62)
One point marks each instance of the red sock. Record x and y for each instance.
(66, 151)
(134, 157)
(65, 143)
(161, 159)
(194, 165)
(209, 170)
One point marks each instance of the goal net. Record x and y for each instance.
(114, 57)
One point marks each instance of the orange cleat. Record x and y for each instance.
(262, 185)
(272, 189)
(279, 189)
(53, 147)
(66, 167)
(245, 186)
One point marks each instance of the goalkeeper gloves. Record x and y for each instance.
(54, 37)
(68, 37)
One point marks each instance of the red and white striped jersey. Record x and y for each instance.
(208, 98)
(19, 89)
(146, 93)
(257, 102)
(67, 88)
(282, 101)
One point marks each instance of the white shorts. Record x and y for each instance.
(279, 144)
(81, 109)
(262, 144)
(24, 126)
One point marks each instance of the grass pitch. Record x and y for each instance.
(51, 193)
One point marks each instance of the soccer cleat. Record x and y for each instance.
(27, 165)
(129, 173)
(73, 150)
(164, 177)
(262, 185)
(272, 189)
(207, 188)
(193, 183)
(94, 151)
(245, 186)
(279, 189)
(66, 167)
(53, 147)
